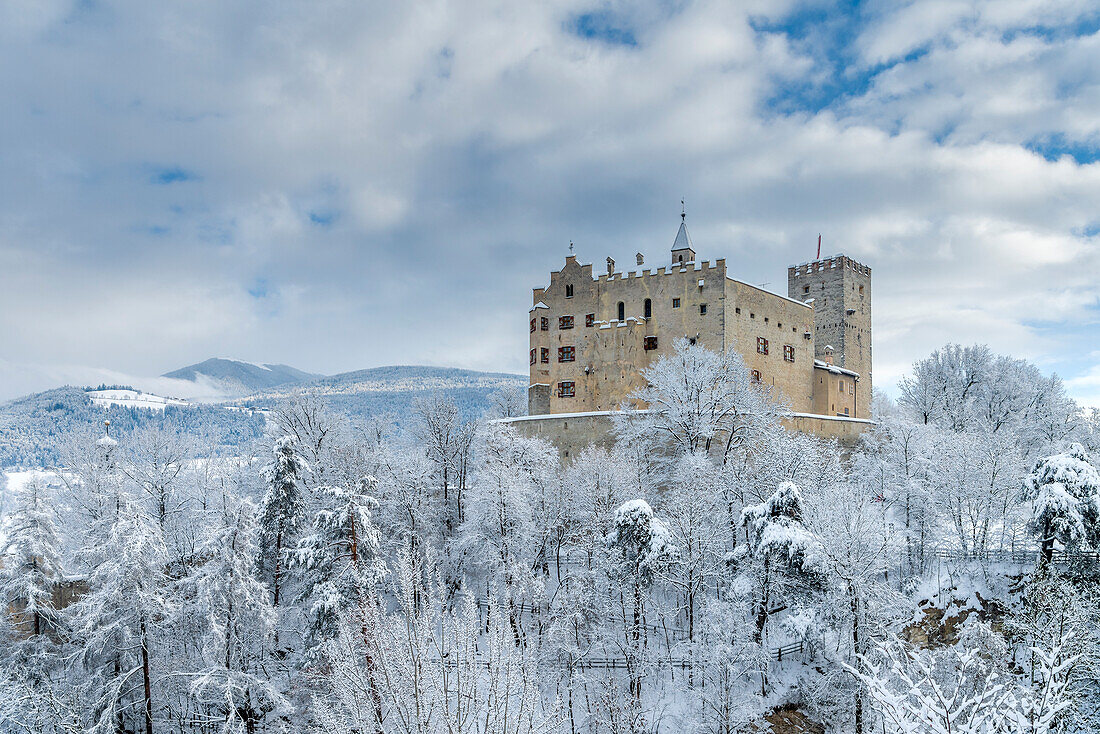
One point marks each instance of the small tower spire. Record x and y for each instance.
(682, 249)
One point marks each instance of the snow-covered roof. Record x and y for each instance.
(540, 304)
(683, 239)
(770, 293)
(834, 369)
(844, 418)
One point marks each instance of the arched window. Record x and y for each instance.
(681, 258)
(648, 308)
(622, 311)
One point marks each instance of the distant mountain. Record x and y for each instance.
(240, 377)
(394, 389)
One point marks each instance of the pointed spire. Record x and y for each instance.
(683, 239)
(682, 250)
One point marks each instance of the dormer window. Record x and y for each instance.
(569, 291)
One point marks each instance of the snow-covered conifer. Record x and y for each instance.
(1064, 491)
(115, 623)
(238, 619)
(30, 561)
(281, 513)
(339, 557)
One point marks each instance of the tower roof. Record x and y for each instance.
(683, 239)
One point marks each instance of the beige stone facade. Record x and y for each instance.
(591, 336)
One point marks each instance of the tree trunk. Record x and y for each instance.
(146, 680)
(854, 601)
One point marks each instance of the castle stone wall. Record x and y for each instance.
(571, 433)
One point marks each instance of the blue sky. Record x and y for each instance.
(339, 185)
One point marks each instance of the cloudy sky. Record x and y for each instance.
(338, 185)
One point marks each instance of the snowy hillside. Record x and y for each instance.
(239, 377)
(393, 389)
(132, 399)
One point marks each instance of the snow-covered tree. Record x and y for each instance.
(30, 561)
(785, 549)
(695, 398)
(641, 549)
(503, 535)
(236, 615)
(339, 557)
(434, 666)
(281, 513)
(1064, 491)
(962, 691)
(115, 623)
(509, 401)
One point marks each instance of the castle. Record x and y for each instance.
(591, 337)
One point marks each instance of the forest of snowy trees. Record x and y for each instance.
(712, 572)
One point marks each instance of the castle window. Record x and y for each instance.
(861, 290)
(680, 259)
(569, 291)
(676, 303)
(565, 322)
(752, 315)
(805, 289)
(622, 311)
(544, 355)
(851, 388)
(756, 375)
(765, 319)
(566, 389)
(590, 319)
(702, 309)
(648, 308)
(532, 326)
(761, 345)
(567, 354)
(545, 323)
(845, 411)
(788, 353)
(779, 325)
(841, 387)
(737, 310)
(532, 356)
(650, 343)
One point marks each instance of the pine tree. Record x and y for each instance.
(115, 622)
(339, 558)
(32, 563)
(1064, 490)
(239, 622)
(281, 513)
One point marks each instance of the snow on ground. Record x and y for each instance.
(133, 399)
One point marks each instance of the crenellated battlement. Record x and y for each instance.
(703, 266)
(828, 263)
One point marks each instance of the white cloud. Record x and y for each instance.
(383, 183)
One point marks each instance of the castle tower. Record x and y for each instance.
(682, 250)
(840, 289)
